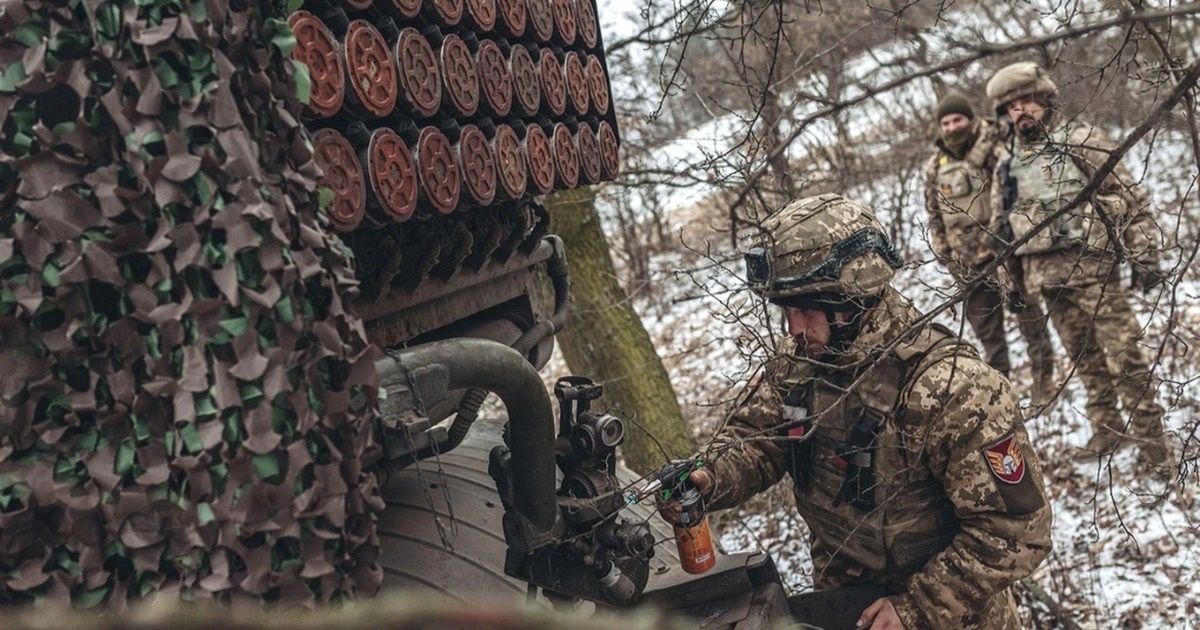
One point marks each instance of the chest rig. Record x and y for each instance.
(964, 202)
(861, 478)
(1048, 176)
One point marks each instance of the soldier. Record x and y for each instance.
(958, 201)
(911, 463)
(1071, 263)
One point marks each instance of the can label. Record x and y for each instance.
(692, 536)
(696, 553)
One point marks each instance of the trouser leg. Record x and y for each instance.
(1116, 330)
(835, 608)
(1118, 333)
(1031, 320)
(1074, 322)
(983, 306)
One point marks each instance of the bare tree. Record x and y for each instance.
(840, 97)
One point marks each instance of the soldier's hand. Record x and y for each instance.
(1016, 301)
(702, 479)
(1146, 276)
(880, 616)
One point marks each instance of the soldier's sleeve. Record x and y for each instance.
(746, 456)
(978, 448)
(989, 141)
(996, 194)
(937, 228)
(1142, 235)
(985, 160)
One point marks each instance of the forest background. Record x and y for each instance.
(728, 109)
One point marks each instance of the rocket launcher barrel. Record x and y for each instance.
(436, 125)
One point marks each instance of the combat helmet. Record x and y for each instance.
(1013, 81)
(822, 245)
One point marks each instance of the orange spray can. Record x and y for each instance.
(692, 536)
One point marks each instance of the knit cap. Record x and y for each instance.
(954, 103)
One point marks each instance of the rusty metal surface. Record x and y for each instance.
(445, 64)
(588, 29)
(511, 17)
(437, 171)
(541, 20)
(481, 15)
(317, 49)
(578, 86)
(566, 157)
(510, 163)
(590, 167)
(598, 85)
(565, 22)
(371, 69)
(610, 159)
(459, 76)
(448, 12)
(420, 77)
(407, 9)
(527, 84)
(453, 115)
(554, 86)
(477, 168)
(494, 79)
(540, 158)
(393, 176)
(343, 175)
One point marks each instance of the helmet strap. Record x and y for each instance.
(843, 333)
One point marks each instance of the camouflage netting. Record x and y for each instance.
(184, 400)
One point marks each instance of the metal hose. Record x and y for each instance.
(468, 408)
(491, 366)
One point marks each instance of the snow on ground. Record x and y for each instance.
(1123, 557)
(1126, 553)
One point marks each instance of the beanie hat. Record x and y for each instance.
(954, 103)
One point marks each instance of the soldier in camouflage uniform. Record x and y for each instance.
(1071, 263)
(958, 202)
(911, 464)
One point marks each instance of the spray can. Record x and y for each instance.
(692, 536)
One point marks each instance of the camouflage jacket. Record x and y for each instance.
(958, 201)
(959, 510)
(1119, 197)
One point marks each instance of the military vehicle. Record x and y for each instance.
(438, 124)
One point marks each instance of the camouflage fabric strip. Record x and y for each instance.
(185, 400)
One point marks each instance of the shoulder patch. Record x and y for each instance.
(1005, 459)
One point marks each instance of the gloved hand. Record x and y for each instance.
(1146, 276)
(1016, 301)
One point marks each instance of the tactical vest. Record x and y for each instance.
(1048, 177)
(903, 516)
(965, 201)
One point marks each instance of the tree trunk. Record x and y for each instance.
(185, 401)
(604, 339)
